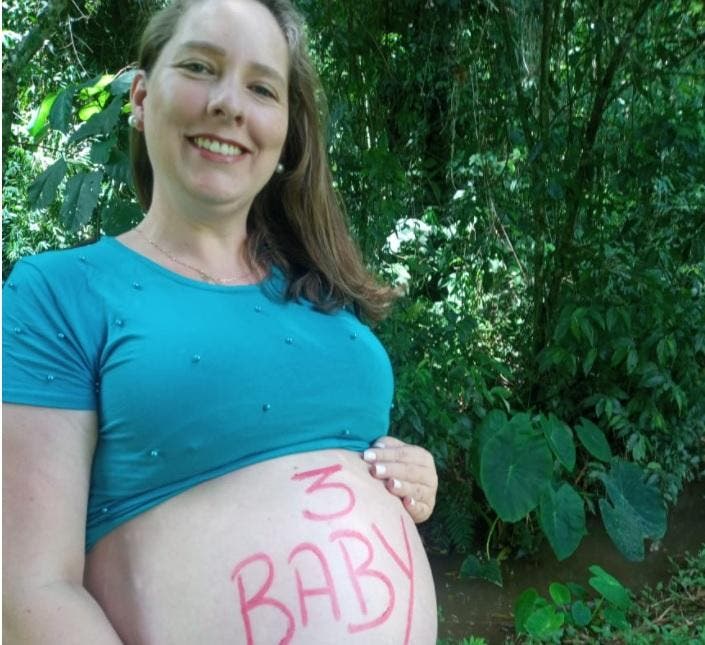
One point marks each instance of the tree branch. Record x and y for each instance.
(510, 51)
(586, 163)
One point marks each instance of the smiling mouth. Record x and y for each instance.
(217, 147)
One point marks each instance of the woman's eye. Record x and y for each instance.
(263, 90)
(196, 67)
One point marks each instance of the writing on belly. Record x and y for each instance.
(362, 575)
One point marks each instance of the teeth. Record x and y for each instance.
(218, 147)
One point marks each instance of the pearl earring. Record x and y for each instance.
(280, 168)
(133, 121)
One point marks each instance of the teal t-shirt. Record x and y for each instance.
(190, 380)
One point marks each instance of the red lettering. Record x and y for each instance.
(363, 570)
(321, 484)
(260, 598)
(327, 590)
(408, 571)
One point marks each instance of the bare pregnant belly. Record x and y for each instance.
(304, 549)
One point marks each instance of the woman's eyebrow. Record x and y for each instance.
(270, 72)
(204, 46)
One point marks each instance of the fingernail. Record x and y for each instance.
(412, 502)
(369, 455)
(380, 444)
(397, 484)
(380, 469)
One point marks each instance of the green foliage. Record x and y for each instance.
(569, 610)
(522, 465)
(82, 114)
(672, 612)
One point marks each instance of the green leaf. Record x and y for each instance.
(562, 519)
(594, 440)
(581, 613)
(62, 110)
(491, 423)
(43, 190)
(39, 123)
(489, 570)
(559, 593)
(637, 511)
(523, 608)
(560, 439)
(609, 588)
(94, 86)
(100, 150)
(118, 167)
(82, 193)
(632, 360)
(545, 622)
(119, 216)
(588, 331)
(88, 111)
(121, 84)
(515, 465)
(577, 590)
(589, 360)
(616, 618)
(102, 122)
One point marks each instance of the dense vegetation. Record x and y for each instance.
(531, 173)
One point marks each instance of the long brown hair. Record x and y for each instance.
(296, 222)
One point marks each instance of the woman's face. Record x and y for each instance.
(215, 106)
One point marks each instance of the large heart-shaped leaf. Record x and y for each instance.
(491, 423)
(515, 465)
(562, 519)
(636, 512)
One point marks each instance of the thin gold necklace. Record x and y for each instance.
(205, 276)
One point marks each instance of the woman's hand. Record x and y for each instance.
(408, 472)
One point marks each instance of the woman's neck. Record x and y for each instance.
(210, 246)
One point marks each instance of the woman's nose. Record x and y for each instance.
(227, 101)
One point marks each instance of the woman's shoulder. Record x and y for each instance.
(75, 258)
(66, 270)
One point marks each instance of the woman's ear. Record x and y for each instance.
(138, 93)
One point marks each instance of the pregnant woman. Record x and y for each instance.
(186, 404)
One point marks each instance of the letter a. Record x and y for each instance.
(327, 590)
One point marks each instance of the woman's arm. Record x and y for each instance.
(47, 455)
(409, 473)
